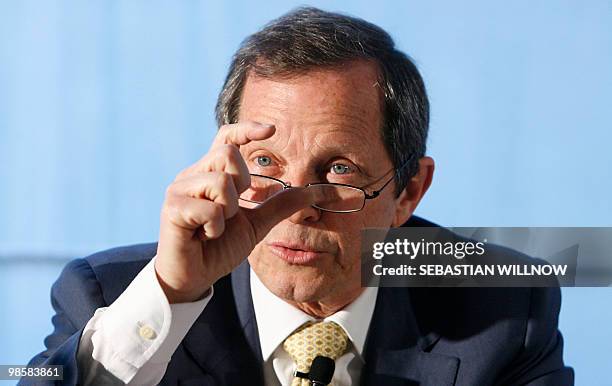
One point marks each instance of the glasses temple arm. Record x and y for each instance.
(375, 193)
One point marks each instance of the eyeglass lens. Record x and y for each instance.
(328, 196)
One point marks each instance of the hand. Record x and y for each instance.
(204, 234)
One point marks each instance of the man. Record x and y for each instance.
(323, 132)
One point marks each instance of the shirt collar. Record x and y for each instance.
(277, 319)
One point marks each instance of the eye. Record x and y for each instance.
(263, 160)
(340, 169)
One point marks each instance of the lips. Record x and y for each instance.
(295, 253)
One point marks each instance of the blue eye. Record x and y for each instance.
(263, 160)
(340, 169)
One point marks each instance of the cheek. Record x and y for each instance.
(348, 233)
(349, 227)
(380, 212)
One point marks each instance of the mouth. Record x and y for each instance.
(296, 253)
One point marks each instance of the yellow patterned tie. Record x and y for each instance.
(313, 339)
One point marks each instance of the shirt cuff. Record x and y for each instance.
(141, 326)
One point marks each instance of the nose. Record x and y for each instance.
(308, 214)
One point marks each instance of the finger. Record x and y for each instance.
(242, 133)
(189, 213)
(217, 187)
(225, 158)
(234, 134)
(277, 208)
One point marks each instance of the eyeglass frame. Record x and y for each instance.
(367, 196)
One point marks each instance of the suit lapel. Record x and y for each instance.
(241, 285)
(223, 340)
(395, 349)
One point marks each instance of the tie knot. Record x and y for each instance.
(312, 339)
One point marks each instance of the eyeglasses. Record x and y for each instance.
(330, 197)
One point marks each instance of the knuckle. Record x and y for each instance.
(217, 212)
(224, 182)
(175, 204)
(171, 201)
(224, 130)
(171, 209)
(189, 216)
(170, 190)
(215, 225)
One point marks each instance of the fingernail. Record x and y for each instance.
(265, 126)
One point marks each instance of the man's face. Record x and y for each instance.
(328, 126)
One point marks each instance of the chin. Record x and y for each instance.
(295, 282)
(298, 287)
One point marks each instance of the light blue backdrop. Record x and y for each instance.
(102, 103)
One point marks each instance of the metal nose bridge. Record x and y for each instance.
(287, 185)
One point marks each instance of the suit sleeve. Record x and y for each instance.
(74, 296)
(540, 362)
(129, 342)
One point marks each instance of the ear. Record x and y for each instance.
(410, 197)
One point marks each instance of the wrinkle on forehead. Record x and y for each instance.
(341, 139)
(330, 109)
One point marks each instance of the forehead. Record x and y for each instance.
(322, 105)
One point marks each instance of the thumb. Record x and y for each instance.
(277, 208)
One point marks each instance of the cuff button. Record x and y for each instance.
(147, 332)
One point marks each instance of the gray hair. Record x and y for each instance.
(308, 38)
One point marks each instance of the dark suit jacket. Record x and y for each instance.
(418, 336)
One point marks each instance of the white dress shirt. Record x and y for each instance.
(276, 320)
(132, 340)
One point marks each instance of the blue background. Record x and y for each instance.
(102, 103)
